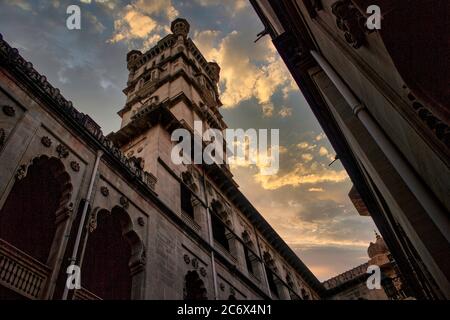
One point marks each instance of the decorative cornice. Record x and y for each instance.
(11, 60)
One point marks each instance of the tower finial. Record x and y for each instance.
(180, 27)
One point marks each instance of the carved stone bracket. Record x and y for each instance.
(351, 22)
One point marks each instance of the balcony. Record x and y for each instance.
(22, 273)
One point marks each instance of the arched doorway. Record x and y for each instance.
(194, 287)
(105, 270)
(28, 217)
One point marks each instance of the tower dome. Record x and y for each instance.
(379, 247)
(180, 27)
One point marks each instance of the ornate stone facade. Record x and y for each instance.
(147, 220)
(382, 99)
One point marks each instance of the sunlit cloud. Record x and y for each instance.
(244, 74)
(138, 20)
(302, 174)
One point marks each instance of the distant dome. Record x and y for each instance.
(379, 247)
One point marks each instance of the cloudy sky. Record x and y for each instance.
(306, 201)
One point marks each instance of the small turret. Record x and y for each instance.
(180, 27)
(215, 71)
(131, 57)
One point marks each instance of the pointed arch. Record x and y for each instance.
(194, 287)
(114, 254)
(40, 195)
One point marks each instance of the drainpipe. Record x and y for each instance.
(73, 258)
(210, 238)
(420, 191)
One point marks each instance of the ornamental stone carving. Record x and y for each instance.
(141, 221)
(203, 272)
(75, 166)
(21, 172)
(124, 202)
(104, 191)
(9, 111)
(195, 263)
(351, 22)
(62, 150)
(186, 258)
(46, 141)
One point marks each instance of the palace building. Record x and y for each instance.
(382, 98)
(138, 226)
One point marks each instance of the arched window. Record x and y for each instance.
(194, 288)
(186, 201)
(269, 265)
(105, 269)
(251, 259)
(28, 217)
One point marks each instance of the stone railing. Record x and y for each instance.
(21, 273)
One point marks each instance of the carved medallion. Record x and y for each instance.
(62, 150)
(141, 221)
(75, 166)
(9, 111)
(124, 202)
(46, 141)
(105, 191)
(195, 263)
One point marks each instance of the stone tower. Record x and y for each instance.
(175, 75)
(119, 203)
